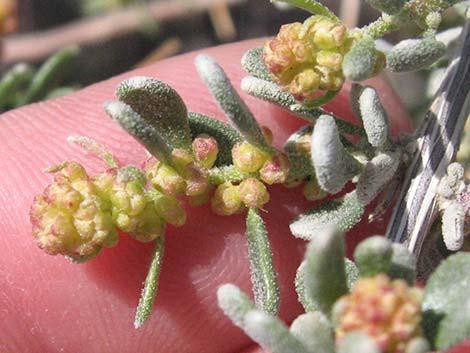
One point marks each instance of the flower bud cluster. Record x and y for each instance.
(189, 173)
(386, 310)
(306, 57)
(251, 192)
(77, 215)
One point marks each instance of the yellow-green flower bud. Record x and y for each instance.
(248, 158)
(163, 177)
(312, 191)
(205, 149)
(70, 218)
(307, 57)
(181, 158)
(387, 311)
(133, 212)
(197, 180)
(275, 170)
(226, 200)
(253, 193)
(168, 207)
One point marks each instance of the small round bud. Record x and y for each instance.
(205, 149)
(253, 193)
(248, 158)
(148, 226)
(305, 83)
(226, 200)
(312, 191)
(164, 178)
(197, 180)
(181, 158)
(275, 170)
(169, 208)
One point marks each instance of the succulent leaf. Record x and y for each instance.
(403, 264)
(373, 256)
(51, 73)
(138, 127)
(12, 82)
(357, 342)
(304, 298)
(315, 331)
(234, 303)
(334, 166)
(325, 275)
(446, 303)
(376, 175)
(374, 117)
(160, 106)
(453, 224)
(352, 272)
(253, 63)
(362, 61)
(225, 135)
(147, 297)
(414, 54)
(345, 213)
(271, 333)
(263, 275)
(230, 102)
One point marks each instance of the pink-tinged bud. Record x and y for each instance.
(70, 217)
(165, 178)
(226, 200)
(308, 57)
(312, 191)
(205, 149)
(148, 226)
(268, 134)
(248, 158)
(387, 311)
(275, 170)
(253, 193)
(197, 180)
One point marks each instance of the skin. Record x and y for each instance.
(49, 305)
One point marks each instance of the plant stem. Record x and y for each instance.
(439, 139)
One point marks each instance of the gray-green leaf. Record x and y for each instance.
(315, 331)
(334, 166)
(374, 117)
(234, 303)
(325, 276)
(414, 54)
(229, 101)
(160, 106)
(356, 342)
(271, 333)
(301, 165)
(344, 213)
(135, 125)
(446, 303)
(263, 275)
(373, 256)
(253, 63)
(360, 62)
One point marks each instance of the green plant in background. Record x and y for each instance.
(94, 7)
(23, 84)
(201, 160)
